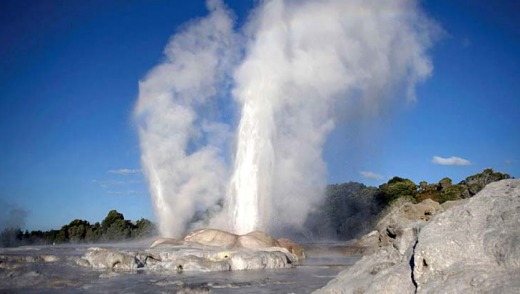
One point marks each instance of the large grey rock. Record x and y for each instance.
(473, 247)
(470, 248)
(401, 225)
(381, 272)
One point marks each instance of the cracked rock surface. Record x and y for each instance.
(470, 248)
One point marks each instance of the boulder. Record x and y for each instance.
(381, 272)
(212, 237)
(292, 247)
(400, 226)
(103, 258)
(452, 203)
(256, 240)
(166, 241)
(469, 248)
(474, 246)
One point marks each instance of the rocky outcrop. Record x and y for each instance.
(252, 240)
(472, 247)
(212, 237)
(256, 240)
(292, 247)
(202, 250)
(399, 228)
(202, 259)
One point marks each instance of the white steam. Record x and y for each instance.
(302, 59)
(181, 154)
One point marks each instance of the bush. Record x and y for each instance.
(396, 188)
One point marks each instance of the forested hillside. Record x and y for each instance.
(351, 209)
(113, 228)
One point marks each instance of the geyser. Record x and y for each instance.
(285, 71)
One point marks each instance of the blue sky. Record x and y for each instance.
(69, 72)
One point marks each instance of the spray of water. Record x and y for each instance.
(300, 60)
(180, 136)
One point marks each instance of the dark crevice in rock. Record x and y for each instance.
(390, 233)
(412, 265)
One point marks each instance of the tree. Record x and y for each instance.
(77, 230)
(396, 188)
(143, 228)
(112, 217)
(118, 230)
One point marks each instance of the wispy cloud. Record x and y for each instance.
(454, 160)
(124, 171)
(371, 175)
(112, 183)
(127, 193)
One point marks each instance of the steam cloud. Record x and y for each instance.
(12, 217)
(285, 71)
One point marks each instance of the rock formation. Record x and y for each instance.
(470, 247)
(202, 250)
(212, 237)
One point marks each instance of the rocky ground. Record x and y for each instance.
(471, 246)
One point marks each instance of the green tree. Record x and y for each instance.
(143, 228)
(477, 182)
(118, 230)
(112, 217)
(63, 235)
(396, 188)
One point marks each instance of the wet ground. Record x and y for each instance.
(53, 269)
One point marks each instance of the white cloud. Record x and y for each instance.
(124, 171)
(127, 193)
(450, 161)
(111, 183)
(371, 175)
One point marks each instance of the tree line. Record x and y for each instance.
(352, 209)
(113, 228)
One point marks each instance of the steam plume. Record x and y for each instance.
(181, 158)
(302, 59)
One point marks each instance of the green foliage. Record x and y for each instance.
(143, 228)
(76, 230)
(112, 217)
(396, 188)
(113, 228)
(445, 190)
(352, 209)
(477, 182)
